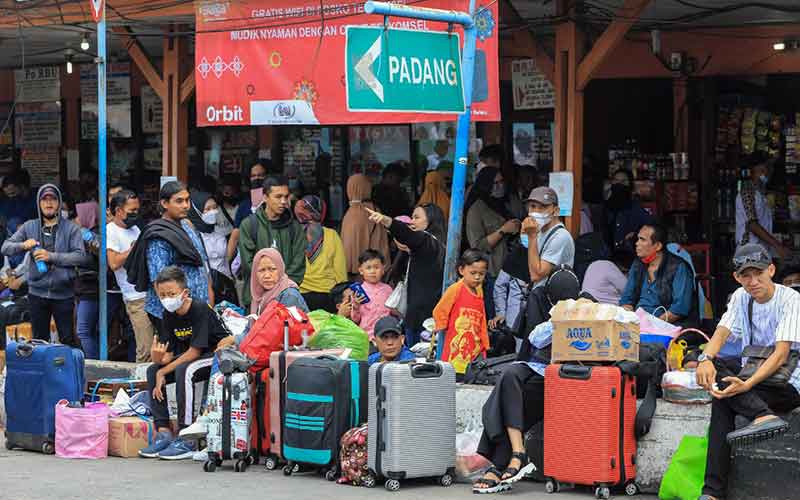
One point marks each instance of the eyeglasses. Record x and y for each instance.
(753, 258)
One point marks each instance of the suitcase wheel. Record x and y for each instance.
(288, 469)
(271, 462)
(631, 489)
(392, 485)
(446, 480)
(602, 493)
(251, 460)
(48, 448)
(9, 444)
(369, 480)
(210, 465)
(551, 486)
(240, 465)
(330, 475)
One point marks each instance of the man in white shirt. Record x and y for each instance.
(121, 233)
(753, 213)
(760, 314)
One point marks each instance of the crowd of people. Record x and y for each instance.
(278, 245)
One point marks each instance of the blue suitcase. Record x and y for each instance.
(38, 375)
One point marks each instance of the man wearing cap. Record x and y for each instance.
(765, 317)
(390, 341)
(548, 242)
(57, 248)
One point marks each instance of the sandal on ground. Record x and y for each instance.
(490, 485)
(517, 473)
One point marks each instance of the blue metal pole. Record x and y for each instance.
(462, 136)
(102, 148)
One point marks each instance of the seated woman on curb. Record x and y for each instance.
(269, 282)
(517, 401)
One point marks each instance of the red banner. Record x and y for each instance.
(267, 62)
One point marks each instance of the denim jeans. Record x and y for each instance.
(88, 320)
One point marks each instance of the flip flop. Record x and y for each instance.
(517, 474)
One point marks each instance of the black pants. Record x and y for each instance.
(184, 377)
(317, 300)
(61, 310)
(759, 402)
(521, 404)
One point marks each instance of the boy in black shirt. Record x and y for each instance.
(192, 330)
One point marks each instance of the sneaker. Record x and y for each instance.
(201, 456)
(161, 442)
(180, 449)
(197, 430)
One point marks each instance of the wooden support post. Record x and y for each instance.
(175, 130)
(141, 59)
(680, 114)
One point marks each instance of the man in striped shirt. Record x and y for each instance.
(760, 313)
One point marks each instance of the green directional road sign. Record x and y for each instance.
(403, 70)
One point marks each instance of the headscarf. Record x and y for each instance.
(358, 233)
(199, 199)
(435, 194)
(310, 212)
(482, 190)
(262, 297)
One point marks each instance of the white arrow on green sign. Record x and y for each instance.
(403, 70)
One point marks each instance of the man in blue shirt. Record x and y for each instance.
(390, 341)
(659, 282)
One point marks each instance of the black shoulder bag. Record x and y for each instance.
(757, 355)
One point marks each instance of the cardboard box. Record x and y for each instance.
(607, 340)
(128, 435)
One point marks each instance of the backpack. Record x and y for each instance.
(589, 248)
(267, 334)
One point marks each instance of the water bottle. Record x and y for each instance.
(41, 265)
(90, 240)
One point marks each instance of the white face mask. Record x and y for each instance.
(172, 304)
(540, 218)
(210, 217)
(65, 214)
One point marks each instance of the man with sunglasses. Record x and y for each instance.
(764, 314)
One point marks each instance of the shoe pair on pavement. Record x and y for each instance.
(166, 447)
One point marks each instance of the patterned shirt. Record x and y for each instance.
(751, 206)
(160, 254)
(777, 320)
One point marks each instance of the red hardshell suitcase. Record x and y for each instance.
(589, 432)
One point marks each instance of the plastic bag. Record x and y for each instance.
(681, 387)
(686, 472)
(469, 465)
(335, 332)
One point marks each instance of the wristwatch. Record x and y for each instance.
(704, 357)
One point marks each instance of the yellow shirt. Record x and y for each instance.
(329, 268)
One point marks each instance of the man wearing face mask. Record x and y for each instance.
(121, 233)
(548, 242)
(753, 213)
(625, 214)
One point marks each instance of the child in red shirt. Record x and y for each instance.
(460, 315)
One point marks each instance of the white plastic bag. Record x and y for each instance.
(681, 387)
(469, 465)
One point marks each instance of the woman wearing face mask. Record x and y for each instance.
(625, 214)
(425, 240)
(207, 220)
(490, 225)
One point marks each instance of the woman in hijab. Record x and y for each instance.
(490, 225)
(205, 216)
(326, 265)
(269, 282)
(358, 233)
(435, 193)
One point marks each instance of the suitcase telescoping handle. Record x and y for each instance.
(25, 349)
(426, 370)
(285, 335)
(575, 371)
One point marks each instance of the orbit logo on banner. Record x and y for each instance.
(275, 62)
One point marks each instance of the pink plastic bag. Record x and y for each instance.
(82, 432)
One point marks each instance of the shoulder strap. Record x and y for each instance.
(227, 215)
(750, 318)
(644, 415)
(550, 235)
(252, 221)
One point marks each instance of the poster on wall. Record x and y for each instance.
(530, 87)
(41, 84)
(37, 123)
(118, 104)
(562, 184)
(152, 110)
(269, 62)
(544, 146)
(42, 163)
(374, 147)
(524, 143)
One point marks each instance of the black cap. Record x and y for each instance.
(388, 324)
(751, 255)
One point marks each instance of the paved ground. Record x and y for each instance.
(32, 476)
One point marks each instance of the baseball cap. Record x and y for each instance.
(544, 195)
(388, 324)
(48, 191)
(751, 255)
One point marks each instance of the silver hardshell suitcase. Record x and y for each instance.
(412, 422)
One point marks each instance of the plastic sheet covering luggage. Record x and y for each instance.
(82, 431)
(335, 332)
(229, 416)
(681, 387)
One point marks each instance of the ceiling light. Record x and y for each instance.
(779, 46)
(68, 56)
(85, 43)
